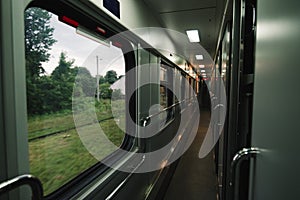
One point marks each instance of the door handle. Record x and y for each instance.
(239, 157)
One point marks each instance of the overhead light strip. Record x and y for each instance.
(199, 57)
(193, 35)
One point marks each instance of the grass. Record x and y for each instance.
(58, 158)
(45, 124)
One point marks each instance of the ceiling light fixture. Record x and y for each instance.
(193, 35)
(199, 57)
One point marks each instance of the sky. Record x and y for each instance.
(83, 50)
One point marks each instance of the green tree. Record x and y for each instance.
(63, 71)
(85, 81)
(38, 40)
(111, 76)
(105, 91)
(101, 79)
(63, 77)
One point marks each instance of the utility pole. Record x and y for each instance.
(97, 77)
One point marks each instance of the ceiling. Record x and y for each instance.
(182, 15)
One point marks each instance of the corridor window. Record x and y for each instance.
(73, 78)
(163, 87)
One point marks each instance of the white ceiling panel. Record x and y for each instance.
(162, 6)
(182, 15)
(203, 21)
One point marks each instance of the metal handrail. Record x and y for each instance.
(146, 119)
(26, 179)
(242, 155)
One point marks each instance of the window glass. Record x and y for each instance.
(67, 74)
(163, 88)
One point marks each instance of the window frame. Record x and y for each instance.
(81, 11)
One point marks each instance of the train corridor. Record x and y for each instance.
(194, 178)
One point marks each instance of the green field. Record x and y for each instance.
(59, 157)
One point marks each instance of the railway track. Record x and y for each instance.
(65, 130)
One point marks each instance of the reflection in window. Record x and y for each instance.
(163, 74)
(61, 77)
(163, 96)
(163, 88)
